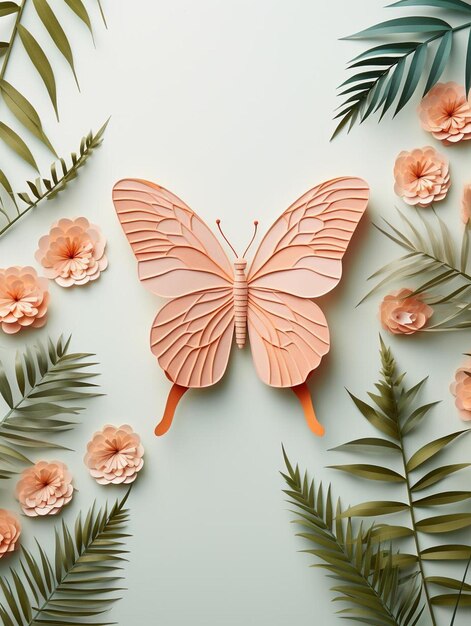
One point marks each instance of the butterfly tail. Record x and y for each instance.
(174, 397)
(304, 396)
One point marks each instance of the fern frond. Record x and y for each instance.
(75, 586)
(394, 413)
(47, 379)
(367, 579)
(392, 71)
(437, 269)
(61, 174)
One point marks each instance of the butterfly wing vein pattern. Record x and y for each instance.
(299, 258)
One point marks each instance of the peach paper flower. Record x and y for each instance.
(404, 315)
(73, 253)
(466, 203)
(44, 488)
(461, 389)
(24, 297)
(114, 455)
(446, 113)
(421, 176)
(10, 531)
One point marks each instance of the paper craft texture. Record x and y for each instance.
(212, 299)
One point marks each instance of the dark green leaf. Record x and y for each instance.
(413, 76)
(440, 60)
(452, 5)
(412, 24)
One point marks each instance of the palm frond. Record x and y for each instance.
(24, 112)
(391, 72)
(47, 379)
(13, 206)
(434, 265)
(394, 413)
(366, 578)
(74, 586)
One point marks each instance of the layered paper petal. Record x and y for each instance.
(404, 314)
(24, 298)
(446, 113)
(45, 488)
(10, 530)
(421, 176)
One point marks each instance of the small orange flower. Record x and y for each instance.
(466, 203)
(403, 314)
(73, 253)
(44, 488)
(24, 297)
(114, 455)
(10, 531)
(421, 176)
(461, 389)
(446, 113)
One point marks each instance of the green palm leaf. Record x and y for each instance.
(394, 414)
(61, 174)
(48, 378)
(393, 70)
(438, 268)
(77, 584)
(367, 579)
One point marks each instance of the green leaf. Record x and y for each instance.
(468, 65)
(419, 24)
(414, 74)
(375, 508)
(378, 420)
(80, 10)
(388, 532)
(441, 59)
(452, 5)
(450, 599)
(446, 497)
(429, 451)
(368, 442)
(449, 583)
(24, 112)
(370, 472)
(451, 552)
(437, 475)
(7, 8)
(5, 388)
(444, 523)
(55, 31)
(41, 63)
(14, 141)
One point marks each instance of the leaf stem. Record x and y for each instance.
(12, 38)
(117, 508)
(389, 377)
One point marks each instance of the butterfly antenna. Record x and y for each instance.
(218, 222)
(253, 237)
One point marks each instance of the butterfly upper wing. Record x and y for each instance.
(192, 336)
(177, 252)
(180, 258)
(302, 252)
(299, 258)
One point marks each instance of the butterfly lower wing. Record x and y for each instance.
(176, 251)
(191, 337)
(302, 252)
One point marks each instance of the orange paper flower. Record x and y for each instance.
(73, 253)
(44, 488)
(446, 113)
(24, 298)
(461, 389)
(466, 203)
(421, 176)
(10, 531)
(403, 314)
(114, 455)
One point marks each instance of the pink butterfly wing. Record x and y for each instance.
(177, 253)
(179, 257)
(288, 336)
(299, 258)
(192, 336)
(302, 252)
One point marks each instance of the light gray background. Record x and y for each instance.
(229, 104)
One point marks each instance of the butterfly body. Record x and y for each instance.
(241, 294)
(211, 300)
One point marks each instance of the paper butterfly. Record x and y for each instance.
(211, 299)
